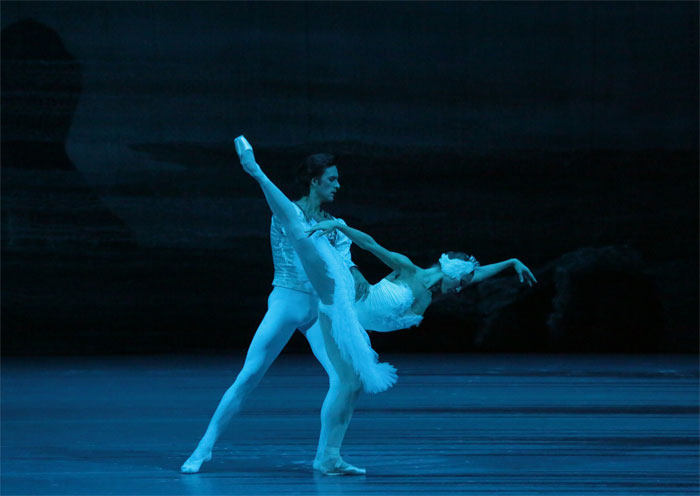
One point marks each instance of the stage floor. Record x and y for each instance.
(454, 424)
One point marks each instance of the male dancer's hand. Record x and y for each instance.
(361, 284)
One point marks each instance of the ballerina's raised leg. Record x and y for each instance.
(346, 342)
(273, 334)
(329, 277)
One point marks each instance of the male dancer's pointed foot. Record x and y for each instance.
(194, 463)
(338, 467)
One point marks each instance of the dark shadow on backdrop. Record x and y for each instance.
(598, 299)
(52, 220)
(41, 86)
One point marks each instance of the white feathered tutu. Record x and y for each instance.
(347, 332)
(387, 308)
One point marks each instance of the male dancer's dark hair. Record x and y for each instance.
(313, 166)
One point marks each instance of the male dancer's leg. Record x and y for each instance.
(338, 406)
(287, 310)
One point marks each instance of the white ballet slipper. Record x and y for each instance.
(192, 465)
(338, 467)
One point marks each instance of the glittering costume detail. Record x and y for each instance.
(289, 272)
(387, 307)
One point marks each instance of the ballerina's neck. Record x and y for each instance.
(430, 278)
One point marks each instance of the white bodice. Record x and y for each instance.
(387, 307)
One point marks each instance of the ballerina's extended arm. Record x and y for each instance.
(401, 262)
(484, 272)
(397, 261)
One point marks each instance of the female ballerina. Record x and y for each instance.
(396, 302)
(399, 300)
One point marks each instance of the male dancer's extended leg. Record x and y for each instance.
(287, 310)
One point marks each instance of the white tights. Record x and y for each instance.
(289, 310)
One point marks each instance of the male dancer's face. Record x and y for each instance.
(326, 186)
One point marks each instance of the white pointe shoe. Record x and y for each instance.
(242, 145)
(192, 465)
(246, 156)
(338, 467)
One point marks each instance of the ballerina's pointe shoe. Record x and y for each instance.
(192, 465)
(338, 467)
(242, 145)
(246, 156)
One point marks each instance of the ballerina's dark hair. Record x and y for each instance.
(312, 167)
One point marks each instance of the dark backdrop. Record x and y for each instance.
(561, 133)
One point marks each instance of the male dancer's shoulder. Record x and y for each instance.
(330, 216)
(276, 228)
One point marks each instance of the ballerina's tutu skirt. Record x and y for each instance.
(346, 330)
(387, 308)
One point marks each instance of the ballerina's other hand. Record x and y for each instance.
(524, 274)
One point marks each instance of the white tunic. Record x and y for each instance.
(289, 272)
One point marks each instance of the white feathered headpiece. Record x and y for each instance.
(456, 268)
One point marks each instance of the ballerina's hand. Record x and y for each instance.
(325, 227)
(524, 273)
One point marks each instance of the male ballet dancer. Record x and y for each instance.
(292, 305)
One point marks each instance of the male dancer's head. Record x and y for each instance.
(318, 177)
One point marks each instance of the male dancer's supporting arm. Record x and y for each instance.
(361, 285)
